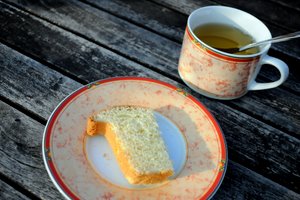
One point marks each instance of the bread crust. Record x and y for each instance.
(133, 176)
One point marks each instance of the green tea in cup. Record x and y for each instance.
(222, 37)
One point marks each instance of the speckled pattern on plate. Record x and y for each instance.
(71, 172)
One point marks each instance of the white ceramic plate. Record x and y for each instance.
(83, 167)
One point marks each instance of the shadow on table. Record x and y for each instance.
(43, 4)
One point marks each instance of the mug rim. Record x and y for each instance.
(262, 51)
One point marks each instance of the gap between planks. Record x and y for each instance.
(17, 187)
(50, 65)
(25, 111)
(130, 21)
(96, 42)
(125, 56)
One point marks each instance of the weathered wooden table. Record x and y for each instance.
(50, 48)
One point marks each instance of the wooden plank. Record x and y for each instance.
(288, 3)
(55, 48)
(19, 36)
(260, 147)
(20, 152)
(248, 189)
(104, 29)
(8, 192)
(168, 23)
(72, 54)
(238, 127)
(278, 107)
(185, 6)
(276, 14)
(290, 48)
(21, 160)
(32, 75)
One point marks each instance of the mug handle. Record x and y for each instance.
(280, 65)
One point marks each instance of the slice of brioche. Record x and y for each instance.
(134, 136)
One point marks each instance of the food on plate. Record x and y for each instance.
(134, 136)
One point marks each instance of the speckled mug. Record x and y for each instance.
(221, 75)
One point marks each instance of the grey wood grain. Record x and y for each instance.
(185, 6)
(260, 154)
(260, 147)
(21, 153)
(290, 48)
(31, 93)
(16, 68)
(288, 3)
(278, 107)
(55, 40)
(109, 31)
(156, 18)
(7, 192)
(269, 11)
(253, 181)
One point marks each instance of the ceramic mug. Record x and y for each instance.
(221, 75)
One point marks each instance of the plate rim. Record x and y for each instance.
(53, 174)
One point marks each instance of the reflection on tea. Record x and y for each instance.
(221, 36)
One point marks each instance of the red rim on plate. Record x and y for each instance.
(54, 172)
